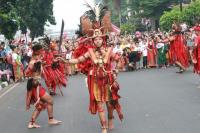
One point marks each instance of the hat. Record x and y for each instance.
(96, 22)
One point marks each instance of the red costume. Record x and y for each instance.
(52, 74)
(102, 84)
(180, 51)
(196, 52)
(151, 56)
(34, 88)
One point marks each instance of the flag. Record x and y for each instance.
(115, 29)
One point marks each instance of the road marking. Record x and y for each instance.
(9, 90)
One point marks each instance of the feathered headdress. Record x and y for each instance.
(96, 21)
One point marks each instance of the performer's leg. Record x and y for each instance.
(102, 118)
(34, 116)
(110, 116)
(49, 100)
(182, 68)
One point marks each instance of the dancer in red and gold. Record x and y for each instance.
(36, 94)
(180, 51)
(196, 51)
(52, 75)
(102, 84)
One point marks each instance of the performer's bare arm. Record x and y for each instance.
(76, 61)
(169, 39)
(29, 68)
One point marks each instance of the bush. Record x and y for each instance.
(168, 18)
(190, 14)
(127, 28)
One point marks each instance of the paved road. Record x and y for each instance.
(154, 101)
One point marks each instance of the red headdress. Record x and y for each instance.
(96, 21)
(93, 23)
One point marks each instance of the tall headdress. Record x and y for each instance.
(96, 21)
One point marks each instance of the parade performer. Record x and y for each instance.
(95, 60)
(53, 76)
(36, 94)
(196, 51)
(180, 51)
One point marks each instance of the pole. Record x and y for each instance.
(181, 5)
(61, 35)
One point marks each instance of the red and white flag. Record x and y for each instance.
(115, 29)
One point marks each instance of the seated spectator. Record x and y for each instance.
(2, 56)
(5, 75)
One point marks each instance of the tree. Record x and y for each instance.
(35, 15)
(9, 21)
(133, 11)
(168, 18)
(190, 15)
(31, 14)
(127, 28)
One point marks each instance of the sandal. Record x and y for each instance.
(32, 124)
(54, 122)
(104, 130)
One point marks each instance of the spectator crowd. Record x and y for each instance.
(136, 51)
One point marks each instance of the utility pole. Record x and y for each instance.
(181, 5)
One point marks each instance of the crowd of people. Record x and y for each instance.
(100, 54)
(141, 50)
(100, 57)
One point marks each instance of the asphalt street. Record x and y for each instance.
(153, 101)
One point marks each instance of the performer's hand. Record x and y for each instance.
(37, 102)
(60, 58)
(27, 108)
(44, 62)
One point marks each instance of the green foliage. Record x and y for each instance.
(132, 11)
(23, 14)
(35, 14)
(190, 14)
(127, 28)
(9, 21)
(168, 18)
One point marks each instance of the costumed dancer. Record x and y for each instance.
(180, 51)
(53, 76)
(36, 94)
(102, 85)
(196, 51)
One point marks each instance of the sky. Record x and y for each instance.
(70, 11)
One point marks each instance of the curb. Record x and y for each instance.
(7, 89)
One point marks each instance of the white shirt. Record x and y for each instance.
(143, 48)
(68, 56)
(117, 49)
